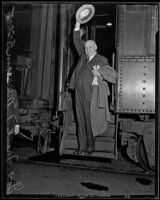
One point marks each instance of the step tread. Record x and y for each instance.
(99, 146)
(97, 139)
(94, 154)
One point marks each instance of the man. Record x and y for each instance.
(81, 81)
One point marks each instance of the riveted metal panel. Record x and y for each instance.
(137, 25)
(136, 86)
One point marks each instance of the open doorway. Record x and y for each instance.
(105, 39)
(103, 30)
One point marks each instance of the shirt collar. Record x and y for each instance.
(92, 56)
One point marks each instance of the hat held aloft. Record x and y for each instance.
(85, 13)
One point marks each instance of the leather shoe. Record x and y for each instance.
(88, 153)
(79, 152)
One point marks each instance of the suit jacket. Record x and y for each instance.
(83, 70)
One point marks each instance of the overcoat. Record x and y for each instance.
(100, 114)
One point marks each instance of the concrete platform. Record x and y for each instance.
(64, 181)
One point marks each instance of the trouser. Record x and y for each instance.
(85, 136)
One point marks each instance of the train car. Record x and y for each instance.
(45, 57)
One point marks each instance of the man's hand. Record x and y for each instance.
(96, 73)
(17, 129)
(96, 67)
(77, 26)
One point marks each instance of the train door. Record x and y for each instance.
(102, 30)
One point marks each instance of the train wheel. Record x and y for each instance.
(142, 156)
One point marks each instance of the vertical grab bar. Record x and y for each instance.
(113, 87)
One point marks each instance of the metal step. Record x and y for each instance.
(94, 154)
(105, 146)
(109, 133)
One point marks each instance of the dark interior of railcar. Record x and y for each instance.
(105, 22)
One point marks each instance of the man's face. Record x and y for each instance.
(90, 48)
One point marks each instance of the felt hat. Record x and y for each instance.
(85, 13)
